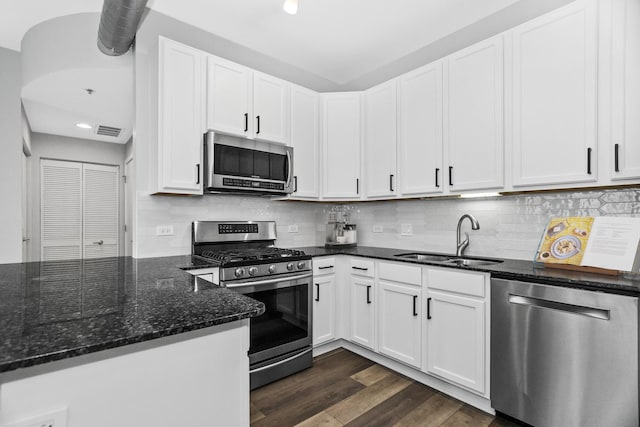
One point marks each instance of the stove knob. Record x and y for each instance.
(272, 268)
(253, 271)
(301, 265)
(290, 266)
(239, 272)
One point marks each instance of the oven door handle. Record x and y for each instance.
(269, 281)
(280, 362)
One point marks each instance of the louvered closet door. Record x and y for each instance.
(61, 210)
(100, 205)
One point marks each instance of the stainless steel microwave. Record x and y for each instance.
(243, 165)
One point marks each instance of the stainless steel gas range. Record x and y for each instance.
(249, 263)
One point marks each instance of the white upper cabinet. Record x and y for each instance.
(625, 81)
(554, 91)
(270, 107)
(229, 97)
(379, 144)
(245, 103)
(341, 145)
(304, 140)
(420, 131)
(473, 117)
(180, 118)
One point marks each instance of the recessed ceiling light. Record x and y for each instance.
(84, 126)
(290, 6)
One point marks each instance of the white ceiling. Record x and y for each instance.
(339, 40)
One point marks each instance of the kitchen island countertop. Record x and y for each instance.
(55, 310)
(510, 269)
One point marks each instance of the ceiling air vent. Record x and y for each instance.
(108, 131)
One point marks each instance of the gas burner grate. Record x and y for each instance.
(260, 254)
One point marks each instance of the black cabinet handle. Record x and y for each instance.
(258, 131)
(198, 173)
(246, 122)
(415, 300)
(325, 267)
(391, 182)
(317, 292)
(437, 173)
(429, 308)
(450, 175)
(368, 294)
(295, 184)
(589, 161)
(360, 268)
(357, 185)
(616, 153)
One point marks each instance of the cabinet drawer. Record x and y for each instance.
(361, 267)
(324, 266)
(456, 281)
(400, 273)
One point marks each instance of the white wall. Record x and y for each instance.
(510, 226)
(11, 157)
(72, 149)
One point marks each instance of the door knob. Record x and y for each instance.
(99, 242)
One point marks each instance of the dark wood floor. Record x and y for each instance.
(344, 389)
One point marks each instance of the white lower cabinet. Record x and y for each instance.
(362, 313)
(456, 327)
(324, 305)
(399, 326)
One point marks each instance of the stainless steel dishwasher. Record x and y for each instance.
(564, 357)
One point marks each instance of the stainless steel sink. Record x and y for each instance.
(448, 259)
(471, 262)
(425, 257)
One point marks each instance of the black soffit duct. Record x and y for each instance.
(118, 25)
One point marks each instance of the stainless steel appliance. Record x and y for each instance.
(242, 165)
(564, 357)
(339, 232)
(249, 263)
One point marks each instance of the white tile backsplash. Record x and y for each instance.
(510, 226)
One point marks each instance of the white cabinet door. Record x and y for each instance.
(456, 339)
(420, 131)
(181, 108)
(399, 322)
(229, 97)
(324, 303)
(341, 145)
(362, 311)
(379, 144)
(554, 97)
(473, 117)
(304, 140)
(270, 108)
(625, 78)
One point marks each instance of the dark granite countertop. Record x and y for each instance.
(56, 310)
(625, 284)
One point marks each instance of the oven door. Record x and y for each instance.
(286, 325)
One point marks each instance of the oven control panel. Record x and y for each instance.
(237, 228)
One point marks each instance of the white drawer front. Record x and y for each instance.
(361, 267)
(456, 281)
(397, 272)
(324, 266)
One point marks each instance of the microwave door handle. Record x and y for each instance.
(290, 169)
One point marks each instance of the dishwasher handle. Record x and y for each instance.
(596, 313)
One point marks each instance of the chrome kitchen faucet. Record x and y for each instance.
(462, 245)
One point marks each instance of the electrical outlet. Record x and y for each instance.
(377, 229)
(56, 418)
(293, 228)
(406, 229)
(164, 230)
